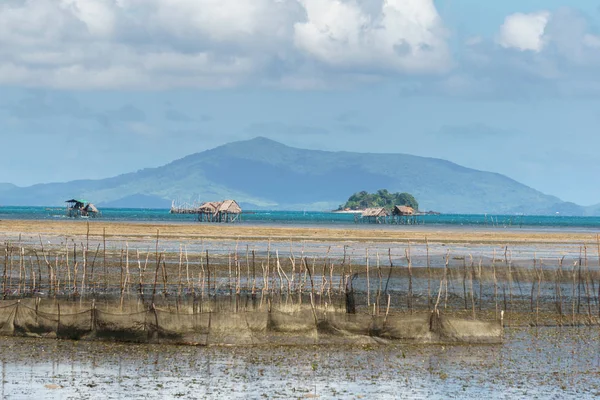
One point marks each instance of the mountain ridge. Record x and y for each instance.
(263, 173)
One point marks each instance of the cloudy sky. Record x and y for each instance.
(94, 88)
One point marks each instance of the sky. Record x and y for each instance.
(96, 88)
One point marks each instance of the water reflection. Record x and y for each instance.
(544, 362)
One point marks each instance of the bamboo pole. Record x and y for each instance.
(121, 277)
(539, 287)
(48, 265)
(165, 277)
(464, 281)
(495, 282)
(179, 281)
(190, 284)
(209, 279)
(57, 277)
(253, 278)
(158, 259)
(410, 281)
(598, 249)
(533, 281)
(429, 299)
(93, 278)
(579, 281)
(127, 274)
(104, 266)
(140, 276)
(247, 274)
(573, 273)
(84, 256)
(368, 282)
(471, 284)
(379, 287)
(10, 268)
(5, 275)
(32, 277)
(586, 283)
(21, 253)
(446, 265)
(387, 283)
(229, 285)
(480, 282)
(559, 276)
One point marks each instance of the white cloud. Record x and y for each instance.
(404, 35)
(214, 43)
(532, 56)
(524, 31)
(97, 15)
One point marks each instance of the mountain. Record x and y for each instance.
(262, 173)
(6, 187)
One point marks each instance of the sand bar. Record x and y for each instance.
(414, 234)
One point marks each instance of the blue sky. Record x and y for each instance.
(95, 88)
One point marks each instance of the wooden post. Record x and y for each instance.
(368, 281)
(209, 278)
(464, 282)
(4, 278)
(410, 284)
(495, 282)
(104, 267)
(429, 299)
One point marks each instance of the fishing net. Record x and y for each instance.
(300, 324)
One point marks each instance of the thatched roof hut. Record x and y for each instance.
(219, 211)
(403, 210)
(229, 207)
(375, 212)
(210, 207)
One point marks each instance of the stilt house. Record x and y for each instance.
(81, 208)
(404, 215)
(375, 215)
(224, 211)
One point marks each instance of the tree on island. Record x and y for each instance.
(382, 198)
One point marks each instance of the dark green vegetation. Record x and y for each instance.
(382, 198)
(261, 173)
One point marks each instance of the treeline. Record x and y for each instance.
(382, 198)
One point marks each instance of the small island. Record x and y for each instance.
(382, 207)
(380, 199)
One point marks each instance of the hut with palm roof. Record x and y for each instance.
(223, 211)
(229, 211)
(404, 215)
(207, 211)
(376, 215)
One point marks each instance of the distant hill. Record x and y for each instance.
(7, 186)
(137, 201)
(262, 173)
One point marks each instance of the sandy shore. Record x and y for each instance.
(10, 228)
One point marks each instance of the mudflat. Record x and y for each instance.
(190, 231)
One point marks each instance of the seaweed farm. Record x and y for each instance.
(255, 292)
(295, 316)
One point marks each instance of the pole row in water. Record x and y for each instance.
(566, 290)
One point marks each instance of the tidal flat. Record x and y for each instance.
(552, 360)
(544, 363)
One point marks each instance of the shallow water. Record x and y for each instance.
(322, 218)
(542, 363)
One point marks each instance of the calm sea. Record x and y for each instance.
(316, 218)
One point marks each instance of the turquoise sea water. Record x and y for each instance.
(312, 218)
